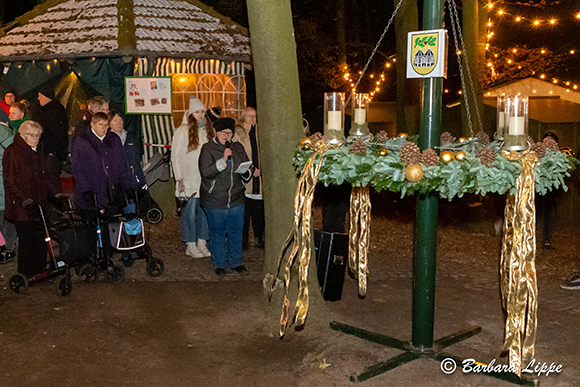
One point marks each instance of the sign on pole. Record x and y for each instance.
(427, 54)
(148, 95)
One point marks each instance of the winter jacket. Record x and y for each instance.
(185, 164)
(52, 117)
(133, 157)
(225, 189)
(6, 138)
(15, 124)
(98, 166)
(242, 135)
(25, 177)
(5, 107)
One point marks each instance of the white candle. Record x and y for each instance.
(516, 126)
(360, 116)
(335, 120)
(501, 120)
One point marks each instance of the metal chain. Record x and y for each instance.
(376, 48)
(455, 22)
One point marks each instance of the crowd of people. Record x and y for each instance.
(210, 166)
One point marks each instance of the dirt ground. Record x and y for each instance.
(190, 328)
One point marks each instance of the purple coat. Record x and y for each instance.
(97, 164)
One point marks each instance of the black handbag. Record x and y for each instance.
(180, 202)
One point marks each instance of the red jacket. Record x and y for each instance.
(25, 177)
(5, 106)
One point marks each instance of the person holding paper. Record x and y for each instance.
(246, 134)
(186, 146)
(222, 195)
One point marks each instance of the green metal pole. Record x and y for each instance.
(427, 205)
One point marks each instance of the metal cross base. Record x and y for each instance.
(411, 353)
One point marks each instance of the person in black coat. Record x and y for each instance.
(222, 195)
(53, 119)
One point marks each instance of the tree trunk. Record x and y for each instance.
(280, 123)
(473, 35)
(408, 90)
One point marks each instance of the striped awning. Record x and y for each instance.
(158, 129)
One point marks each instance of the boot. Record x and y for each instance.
(193, 251)
(202, 247)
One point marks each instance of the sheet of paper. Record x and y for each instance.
(243, 167)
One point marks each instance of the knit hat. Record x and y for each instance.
(9, 91)
(213, 114)
(225, 123)
(47, 91)
(550, 134)
(195, 104)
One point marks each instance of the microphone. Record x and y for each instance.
(228, 147)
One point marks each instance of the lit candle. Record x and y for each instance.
(360, 116)
(516, 126)
(335, 120)
(501, 120)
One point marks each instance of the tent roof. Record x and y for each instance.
(549, 102)
(60, 29)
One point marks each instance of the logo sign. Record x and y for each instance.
(427, 54)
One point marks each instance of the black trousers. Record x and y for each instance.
(53, 166)
(31, 248)
(90, 217)
(254, 210)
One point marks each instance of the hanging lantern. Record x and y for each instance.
(501, 117)
(334, 104)
(516, 130)
(359, 116)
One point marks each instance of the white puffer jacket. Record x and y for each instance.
(185, 164)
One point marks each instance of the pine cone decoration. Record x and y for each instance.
(482, 137)
(540, 149)
(429, 157)
(551, 144)
(358, 147)
(382, 137)
(531, 140)
(316, 137)
(485, 155)
(446, 138)
(410, 153)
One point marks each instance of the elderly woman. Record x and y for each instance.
(101, 173)
(247, 135)
(186, 146)
(222, 195)
(132, 153)
(27, 186)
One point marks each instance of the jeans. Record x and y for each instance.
(8, 230)
(193, 222)
(222, 222)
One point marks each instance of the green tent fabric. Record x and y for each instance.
(102, 76)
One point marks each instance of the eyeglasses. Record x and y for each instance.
(226, 132)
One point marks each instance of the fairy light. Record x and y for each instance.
(536, 22)
(542, 76)
(518, 19)
(572, 52)
(500, 12)
(552, 21)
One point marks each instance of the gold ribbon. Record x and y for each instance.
(299, 237)
(517, 265)
(359, 235)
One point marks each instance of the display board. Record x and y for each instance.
(148, 95)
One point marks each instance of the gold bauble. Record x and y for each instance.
(414, 172)
(469, 138)
(460, 156)
(403, 135)
(446, 156)
(462, 139)
(306, 144)
(383, 152)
